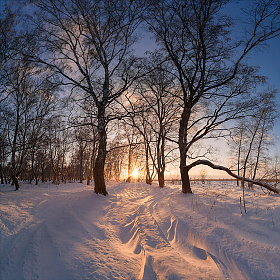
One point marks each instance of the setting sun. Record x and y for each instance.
(135, 173)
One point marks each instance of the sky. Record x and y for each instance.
(269, 62)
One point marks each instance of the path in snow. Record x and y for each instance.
(137, 232)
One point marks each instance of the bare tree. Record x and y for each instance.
(28, 106)
(202, 175)
(267, 113)
(82, 143)
(274, 172)
(116, 163)
(8, 21)
(4, 143)
(253, 136)
(87, 43)
(235, 143)
(196, 37)
(154, 111)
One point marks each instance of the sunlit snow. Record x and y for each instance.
(138, 232)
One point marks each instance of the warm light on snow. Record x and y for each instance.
(66, 231)
(135, 173)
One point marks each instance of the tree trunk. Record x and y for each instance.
(43, 177)
(186, 186)
(149, 179)
(239, 154)
(15, 181)
(129, 169)
(259, 151)
(99, 179)
(81, 166)
(161, 179)
(13, 176)
(160, 158)
(1, 173)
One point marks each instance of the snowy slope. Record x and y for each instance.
(138, 232)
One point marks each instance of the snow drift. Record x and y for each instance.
(138, 232)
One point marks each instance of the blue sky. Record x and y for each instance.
(269, 62)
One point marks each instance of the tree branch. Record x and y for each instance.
(210, 164)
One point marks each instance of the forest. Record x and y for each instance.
(79, 102)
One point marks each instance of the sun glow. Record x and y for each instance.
(135, 173)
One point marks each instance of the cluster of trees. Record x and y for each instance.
(77, 103)
(252, 138)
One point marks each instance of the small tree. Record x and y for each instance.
(153, 110)
(202, 175)
(28, 105)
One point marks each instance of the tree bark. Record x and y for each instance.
(1, 174)
(186, 187)
(99, 180)
(43, 177)
(13, 176)
(149, 178)
(129, 170)
(81, 171)
(161, 179)
(15, 181)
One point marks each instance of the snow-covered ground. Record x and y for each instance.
(138, 232)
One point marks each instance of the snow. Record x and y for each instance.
(138, 232)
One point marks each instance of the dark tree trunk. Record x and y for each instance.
(99, 179)
(13, 176)
(1, 173)
(239, 155)
(43, 177)
(81, 169)
(149, 180)
(161, 179)
(129, 171)
(186, 185)
(161, 157)
(15, 181)
(36, 179)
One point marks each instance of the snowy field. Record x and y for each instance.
(138, 232)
